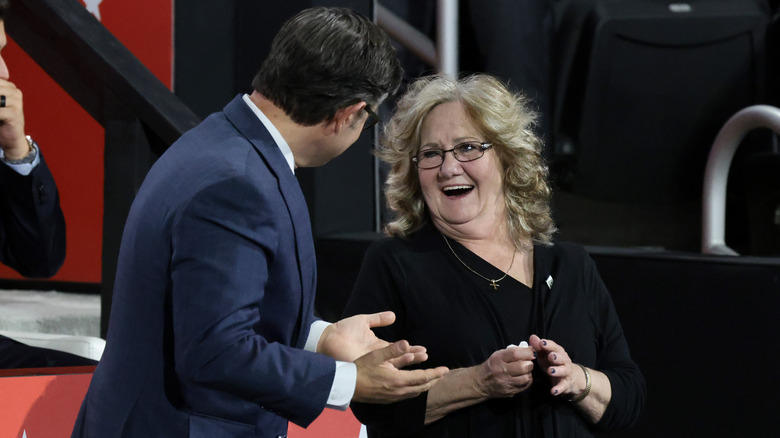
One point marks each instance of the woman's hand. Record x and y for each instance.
(506, 372)
(568, 378)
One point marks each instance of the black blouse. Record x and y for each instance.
(462, 320)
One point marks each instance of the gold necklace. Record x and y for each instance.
(493, 282)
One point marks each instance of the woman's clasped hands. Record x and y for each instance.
(509, 371)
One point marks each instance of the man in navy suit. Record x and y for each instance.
(32, 227)
(212, 332)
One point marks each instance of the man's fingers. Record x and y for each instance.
(418, 381)
(401, 361)
(417, 349)
(395, 350)
(380, 343)
(431, 377)
(415, 354)
(408, 359)
(381, 319)
(431, 374)
(398, 385)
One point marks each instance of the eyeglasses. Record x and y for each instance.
(463, 152)
(372, 119)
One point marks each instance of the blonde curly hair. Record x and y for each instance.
(504, 119)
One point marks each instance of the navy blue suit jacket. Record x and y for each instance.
(213, 297)
(32, 242)
(32, 226)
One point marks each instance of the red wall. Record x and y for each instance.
(72, 142)
(41, 405)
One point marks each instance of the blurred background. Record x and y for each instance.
(631, 94)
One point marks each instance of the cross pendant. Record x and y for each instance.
(493, 284)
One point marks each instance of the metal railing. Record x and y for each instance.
(443, 59)
(443, 54)
(717, 172)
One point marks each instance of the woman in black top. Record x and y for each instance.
(471, 270)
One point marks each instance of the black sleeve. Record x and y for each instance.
(32, 226)
(377, 289)
(614, 358)
(14, 354)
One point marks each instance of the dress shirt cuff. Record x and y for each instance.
(25, 168)
(345, 379)
(343, 386)
(315, 332)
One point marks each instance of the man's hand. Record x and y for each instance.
(12, 138)
(352, 337)
(380, 380)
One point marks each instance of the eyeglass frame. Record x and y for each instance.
(372, 119)
(483, 146)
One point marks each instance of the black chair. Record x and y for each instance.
(644, 87)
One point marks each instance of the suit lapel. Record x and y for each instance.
(247, 124)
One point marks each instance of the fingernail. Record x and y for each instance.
(552, 370)
(534, 354)
(555, 392)
(544, 343)
(554, 357)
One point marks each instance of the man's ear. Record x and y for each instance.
(346, 117)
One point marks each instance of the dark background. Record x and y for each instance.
(219, 50)
(627, 170)
(628, 156)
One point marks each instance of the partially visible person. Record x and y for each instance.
(32, 231)
(212, 332)
(32, 227)
(471, 270)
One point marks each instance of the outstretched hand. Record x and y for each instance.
(352, 337)
(381, 380)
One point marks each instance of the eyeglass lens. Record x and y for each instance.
(463, 152)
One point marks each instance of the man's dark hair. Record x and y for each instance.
(325, 59)
(3, 7)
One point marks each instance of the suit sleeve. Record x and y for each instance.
(32, 226)
(227, 311)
